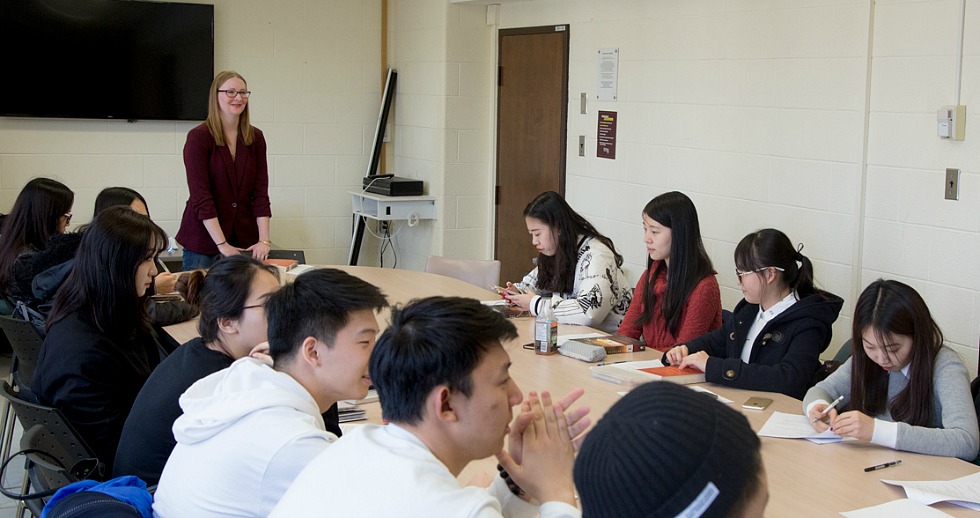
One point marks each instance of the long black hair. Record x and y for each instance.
(33, 219)
(557, 273)
(102, 282)
(689, 262)
(771, 248)
(893, 308)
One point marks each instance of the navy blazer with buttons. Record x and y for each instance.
(234, 190)
(786, 353)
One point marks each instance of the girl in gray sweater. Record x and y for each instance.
(901, 388)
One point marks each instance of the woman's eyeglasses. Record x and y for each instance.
(233, 93)
(67, 217)
(739, 273)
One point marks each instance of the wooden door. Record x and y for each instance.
(531, 125)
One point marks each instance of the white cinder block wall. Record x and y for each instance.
(444, 55)
(765, 113)
(757, 110)
(314, 69)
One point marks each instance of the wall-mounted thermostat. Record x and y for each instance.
(951, 122)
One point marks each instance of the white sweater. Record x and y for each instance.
(246, 432)
(380, 471)
(600, 295)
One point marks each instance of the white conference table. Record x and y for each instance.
(805, 479)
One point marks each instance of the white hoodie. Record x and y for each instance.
(246, 432)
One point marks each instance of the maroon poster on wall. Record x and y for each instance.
(606, 136)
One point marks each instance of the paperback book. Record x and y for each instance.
(635, 373)
(613, 344)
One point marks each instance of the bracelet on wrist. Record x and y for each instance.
(266, 243)
(514, 488)
(222, 243)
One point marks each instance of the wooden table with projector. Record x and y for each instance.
(805, 479)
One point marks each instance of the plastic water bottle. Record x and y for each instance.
(546, 331)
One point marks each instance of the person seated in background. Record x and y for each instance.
(901, 387)
(677, 298)
(232, 326)
(665, 450)
(99, 348)
(33, 237)
(248, 430)
(579, 272)
(442, 377)
(774, 339)
(161, 313)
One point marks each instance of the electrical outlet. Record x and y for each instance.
(383, 226)
(581, 145)
(952, 183)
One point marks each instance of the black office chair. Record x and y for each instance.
(298, 255)
(844, 352)
(55, 454)
(26, 341)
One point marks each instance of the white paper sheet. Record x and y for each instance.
(698, 388)
(963, 491)
(903, 507)
(794, 426)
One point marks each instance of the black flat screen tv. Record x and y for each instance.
(106, 59)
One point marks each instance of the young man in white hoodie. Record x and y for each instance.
(442, 377)
(248, 430)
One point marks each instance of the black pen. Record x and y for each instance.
(883, 466)
(610, 363)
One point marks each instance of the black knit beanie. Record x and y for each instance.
(664, 450)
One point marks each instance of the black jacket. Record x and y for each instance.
(93, 379)
(786, 353)
(60, 248)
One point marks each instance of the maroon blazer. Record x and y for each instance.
(236, 191)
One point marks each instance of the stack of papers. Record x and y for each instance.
(964, 491)
(793, 426)
(350, 412)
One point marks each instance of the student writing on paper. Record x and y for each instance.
(579, 271)
(774, 339)
(677, 298)
(442, 376)
(710, 467)
(902, 388)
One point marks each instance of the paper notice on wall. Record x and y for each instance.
(607, 74)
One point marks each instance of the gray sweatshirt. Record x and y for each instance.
(953, 431)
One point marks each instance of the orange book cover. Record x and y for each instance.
(676, 374)
(285, 263)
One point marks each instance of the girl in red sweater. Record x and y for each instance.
(677, 297)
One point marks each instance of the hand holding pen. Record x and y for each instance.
(819, 414)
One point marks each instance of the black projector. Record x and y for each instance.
(391, 185)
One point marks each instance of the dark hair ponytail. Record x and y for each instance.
(689, 262)
(772, 248)
(223, 291)
(557, 273)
